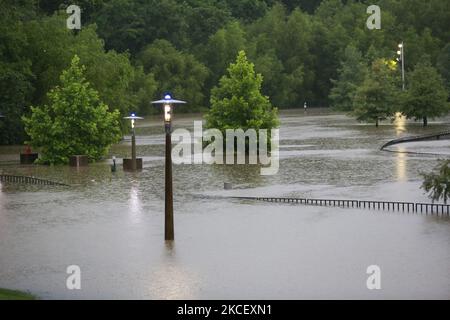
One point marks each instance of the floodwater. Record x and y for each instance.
(111, 224)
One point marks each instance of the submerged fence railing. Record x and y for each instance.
(433, 136)
(427, 208)
(28, 180)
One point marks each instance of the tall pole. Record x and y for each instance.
(403, 66)
(133, 151)
(168, 223)
(168, 103)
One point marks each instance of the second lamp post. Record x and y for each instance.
(133, 166)
(168, 103)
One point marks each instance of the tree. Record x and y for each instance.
(437, 183)
(15, 75)
(427, 95)
(132, 24)
(237, 102)
(443, 64)
(175, 71)
(51, 48)
(74, 122)
(376, 97)
(247, 10)
(221, 49)
(352, 73)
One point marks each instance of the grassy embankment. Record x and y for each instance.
(6, 294)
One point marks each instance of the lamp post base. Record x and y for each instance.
(128, 164)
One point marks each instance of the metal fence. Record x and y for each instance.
(28, 180)
(427, 208)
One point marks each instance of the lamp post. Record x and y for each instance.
(133, 119)
(401, 57)
(168, 103)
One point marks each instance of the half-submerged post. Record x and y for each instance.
(168, 102)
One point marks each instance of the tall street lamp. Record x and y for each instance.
(401, 57)
(133, 165)
(168, 103)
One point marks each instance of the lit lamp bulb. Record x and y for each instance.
(399, 52)
(132, 120)
(167, 113)
(400, 45)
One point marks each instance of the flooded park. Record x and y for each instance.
(111, 224)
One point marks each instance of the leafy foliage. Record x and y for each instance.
(301, 48)
(427, 95)
(376, 98)
(238, 103)
(352, 73)
(437, 183)
(175, 71)
(74, 122)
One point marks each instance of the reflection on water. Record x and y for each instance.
(112, 223)
(400, 123)
(135, 204)
(170, 280)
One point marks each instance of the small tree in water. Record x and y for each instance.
(237, 103)
(74, 122)
(437, 183)
(376, 97)
(427, 95)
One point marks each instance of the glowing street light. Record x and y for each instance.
(133, 119)
(401, 57)
(168, 104)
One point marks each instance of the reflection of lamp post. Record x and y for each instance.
(133, 118)
(401, 57)
(168, 103)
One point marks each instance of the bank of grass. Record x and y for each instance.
(6, 294)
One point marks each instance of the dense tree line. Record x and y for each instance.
(306, 50)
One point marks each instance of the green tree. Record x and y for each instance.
(132, 24)
(352, 73)
(221, 49)
(426, 96)
(376, 97)
(74, 122)
(238, 103)
(443, 64)
(51, 47)
(175, 71)
(437, 183)
(15, 75)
